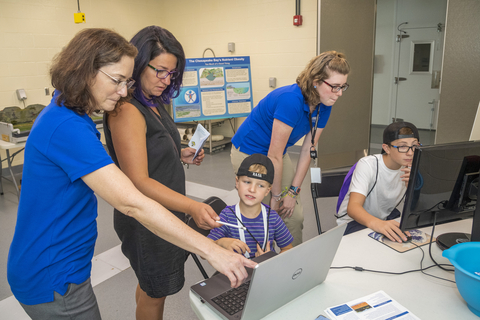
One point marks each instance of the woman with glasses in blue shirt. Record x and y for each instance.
(282, 118)
(50, 258)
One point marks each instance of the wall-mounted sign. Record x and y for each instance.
(214, 88)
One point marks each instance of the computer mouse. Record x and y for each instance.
(409, 239)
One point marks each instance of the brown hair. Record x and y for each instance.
(75, 67)
(405, 131)
(319, 69)
(258, 168)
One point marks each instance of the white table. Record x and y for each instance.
(7, 146)
(426, 297)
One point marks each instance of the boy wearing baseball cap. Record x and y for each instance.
(379, 184)
(251, 226)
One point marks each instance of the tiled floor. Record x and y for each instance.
(113, 279)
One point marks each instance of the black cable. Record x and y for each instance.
(436, 264)
(78, 3)
(429, 209)
(422, 269)
(268, 225)
(383, 272)
(430, 246)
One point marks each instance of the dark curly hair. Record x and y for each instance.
(74, 69)
(151, 42)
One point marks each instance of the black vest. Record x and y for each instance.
(163, 147)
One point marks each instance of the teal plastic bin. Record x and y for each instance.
(466, 259)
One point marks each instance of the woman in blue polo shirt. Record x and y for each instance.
(282, 118)
(49, 262)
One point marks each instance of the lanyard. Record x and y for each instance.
(241, 232)
(313, 131)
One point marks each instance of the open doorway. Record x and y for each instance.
(407, 68)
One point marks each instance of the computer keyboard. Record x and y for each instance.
(233, 300)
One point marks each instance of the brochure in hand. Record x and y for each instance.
(377, 306)
(198, 139)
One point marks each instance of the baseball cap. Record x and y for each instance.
(391, 133)
(257, 158)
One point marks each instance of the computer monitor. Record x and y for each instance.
(443, 187)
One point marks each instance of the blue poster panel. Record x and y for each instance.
(214, 88)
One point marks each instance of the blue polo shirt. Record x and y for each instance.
(56, 226)
(286, 104)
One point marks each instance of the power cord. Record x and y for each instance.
(435, 265)
(441, 266)
(430, 247)
(422, 269)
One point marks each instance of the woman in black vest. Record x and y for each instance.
(144, 142)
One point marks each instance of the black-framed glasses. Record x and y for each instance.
(404, 149)
(120, 84)
(337, 88)
(163, 74)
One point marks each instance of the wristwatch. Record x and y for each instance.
(296, 190)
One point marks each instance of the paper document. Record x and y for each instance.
(198, 139)
(377, 306)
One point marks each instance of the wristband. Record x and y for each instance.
(292, 194)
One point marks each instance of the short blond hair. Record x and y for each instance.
(258, 168)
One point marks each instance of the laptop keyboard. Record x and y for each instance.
(233, 300)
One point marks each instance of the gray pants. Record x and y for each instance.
(78, 303)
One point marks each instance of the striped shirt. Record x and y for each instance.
(277, 230)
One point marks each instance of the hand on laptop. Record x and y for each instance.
(230, 264)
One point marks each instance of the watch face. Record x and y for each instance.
(295, 189)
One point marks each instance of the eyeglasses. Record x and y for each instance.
(404, 149)
(120, 84)
(163, 74)
(337, 88)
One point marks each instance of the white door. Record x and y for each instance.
(416, 82)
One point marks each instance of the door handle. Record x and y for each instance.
(397, 79)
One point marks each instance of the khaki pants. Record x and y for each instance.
(295, 222)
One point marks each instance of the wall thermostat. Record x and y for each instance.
(21, 95)
(272, 82)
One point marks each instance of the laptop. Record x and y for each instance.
(275, 281)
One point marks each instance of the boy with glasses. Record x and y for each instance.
(379, 184)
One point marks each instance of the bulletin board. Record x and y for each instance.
(214, 88)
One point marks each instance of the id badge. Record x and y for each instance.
(316, 175)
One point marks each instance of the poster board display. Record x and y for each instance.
(214, 88)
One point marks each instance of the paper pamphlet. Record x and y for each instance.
(377, 306)
(419, 238)
(198, 139)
